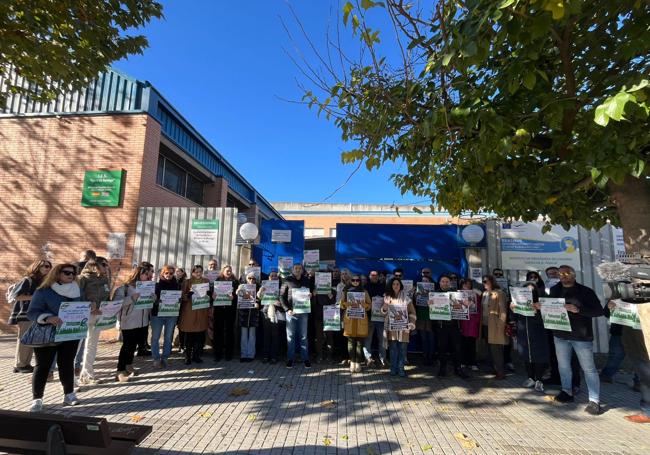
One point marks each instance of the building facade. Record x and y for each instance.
(120, 124)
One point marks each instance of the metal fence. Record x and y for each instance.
(163, 236)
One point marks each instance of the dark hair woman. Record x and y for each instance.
(163, 324)
(355, 320)
(58, 286)
(223, 317)
(470, 328)
(134, 322)
(21, 295)
(194, 322)
(495, 317)
(398, 340)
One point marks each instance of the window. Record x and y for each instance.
(314, 232)
(173, 177)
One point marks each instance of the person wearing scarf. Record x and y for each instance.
(58, 286)
(164, 325)
(356, 330)
(193, 323)
(398, 340)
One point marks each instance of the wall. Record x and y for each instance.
(42, 166)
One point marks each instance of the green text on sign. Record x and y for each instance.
(102, 189)
(205, 224)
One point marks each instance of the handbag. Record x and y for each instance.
(39, 335)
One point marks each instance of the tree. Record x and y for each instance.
(517, 107)
(58, 45)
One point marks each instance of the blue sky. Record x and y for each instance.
(222, 65)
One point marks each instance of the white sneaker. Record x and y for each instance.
(71, 399)
(539, 386)
(528, 383)
(37, 405)
(357, 367)
(352, 367)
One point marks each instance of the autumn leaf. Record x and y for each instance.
(328, 404)
(205, 415)
(251, 418)
(426, 447)
(549, 398)
(239, 391)
(136, 418)
(327, 441)
(345, 437)
(465, 442)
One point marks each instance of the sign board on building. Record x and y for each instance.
(116, 245)
(204, 237)
(102, 188)
(524, 247)
(619, 243)
(281, 236)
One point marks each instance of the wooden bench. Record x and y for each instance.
(56, 434)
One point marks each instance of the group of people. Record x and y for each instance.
(549, 356)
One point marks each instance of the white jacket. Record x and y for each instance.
(129, 317)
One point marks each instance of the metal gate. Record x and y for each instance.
(163, 236)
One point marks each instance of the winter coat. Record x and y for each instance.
(355, 328)
(227, 313)
(398, 335)
(130, 317)
(192, 320)
(532, 338)
(588, 307)
(497, 316)
(163, 285)
(375, 289)
(248, 317)
(472, 327)
(46, 302)
(94, 287)
(291, 282)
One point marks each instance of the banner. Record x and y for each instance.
(439, 306)
(323, 283)
(285, 264)
(246, 299)
(625, 314)
(271, 293)
(554, 314)
(459, 311)
(422, 293)
(376, 314)
(75, 316)
(301, 300)
(170, 303)
(398, 317)
(200, 297)
(331, 318)
(147, 290)
(204, 237)
(223, 293)
(523, 300)
(311, 259)
(108, 318)
(524, 247)
(354, 305)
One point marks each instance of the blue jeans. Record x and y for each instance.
(377, 330)
(247, 347)
(397, 356)
(585, 353)
(297, 330)
(157, 324)
(615, 356)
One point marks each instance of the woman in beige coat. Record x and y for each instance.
(193, 322)
(398, 306)
(494, 319)
(355, 328)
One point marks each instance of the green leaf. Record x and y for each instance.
(447, 58)
(595, 173)
(644, 83)
(347, 9)
(600, 116)
(556, 7)
(638, 168)
(529, 81)
(355, 22)
(506, 3)
(367, 4)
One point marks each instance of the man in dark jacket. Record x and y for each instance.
(296, 323)
(375, 288)
(582, 305)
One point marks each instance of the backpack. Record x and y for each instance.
(12, 291)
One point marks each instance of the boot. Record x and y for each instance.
(196, 353)
(188, 354)
(442, 371)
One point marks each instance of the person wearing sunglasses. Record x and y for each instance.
(193, 323)
(20, 296)
(58, 286)
(448, 336)
(494, 317)
(355, 329)
(248, 319)
(163, 324)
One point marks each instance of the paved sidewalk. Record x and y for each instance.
(326, 410)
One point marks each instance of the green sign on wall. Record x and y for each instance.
(102, 189)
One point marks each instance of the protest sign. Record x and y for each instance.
(108, 318)
(200, 297)
(355, 303)
(223, 293)
(170, 303)
(301, 300)
(439, 306)
(554, 314)
(75, 316)
(523, 300)
(331, 318)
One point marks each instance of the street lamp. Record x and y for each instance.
(248, 232)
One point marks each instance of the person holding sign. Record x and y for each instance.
(399, 322)
(134, 321)
(195, 313)
(532, 344)
(164, 315)
(448, 336)
(249, 316)
(95, 287)
(470, 329)
(582, 305)
(424, 325)
(356, 302)
(223, 316)
(295, 298)
(495, 317)
(273, 317)
(58, 286)
(322, 299)
(376, 290)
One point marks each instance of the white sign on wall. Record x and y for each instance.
(619, 243)
(204, 237)
(116, 245)
(523, 246)
(281, 236)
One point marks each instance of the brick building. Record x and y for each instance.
(116, 123)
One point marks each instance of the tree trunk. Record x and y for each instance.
(632, 200)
